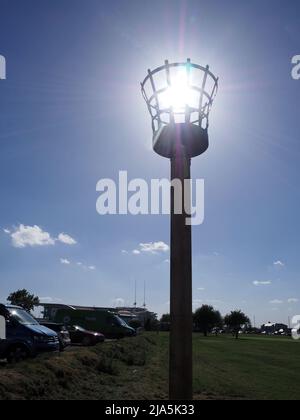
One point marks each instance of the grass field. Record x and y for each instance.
(250, 368)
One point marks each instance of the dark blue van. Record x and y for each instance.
(24, 336)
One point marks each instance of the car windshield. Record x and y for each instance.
(121, 322)
(22, 316)
(77, 328)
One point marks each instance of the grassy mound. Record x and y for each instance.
(109, 371)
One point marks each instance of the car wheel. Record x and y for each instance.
(17, 354)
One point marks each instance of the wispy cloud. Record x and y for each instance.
(149, 248)
(279, 263)
(86, 267)
(262, 283)
(293, 300)
(66, 239)
(154, 247)
(118, 302)
(276, 302)
(65, 261)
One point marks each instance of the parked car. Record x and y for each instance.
(87, 338)
(24, 336)
(61, 331)
(107, 322)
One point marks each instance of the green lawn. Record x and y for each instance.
(252, 367)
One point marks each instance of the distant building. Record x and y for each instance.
(273, 328)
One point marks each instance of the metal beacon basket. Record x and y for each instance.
(179, 97)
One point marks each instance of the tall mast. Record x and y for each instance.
(144, 305)
(134, 294)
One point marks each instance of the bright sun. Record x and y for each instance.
(179, 94)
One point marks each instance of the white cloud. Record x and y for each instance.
(66, 239)
(262, 283)
(86, 267)
(293, 300)
(78, 264)
(278, 263)
(154, 247)
(149, 248)
(276, 302)
(118, 302)
(201, 289)
(24, 236)
(167, 261)
(65, 261)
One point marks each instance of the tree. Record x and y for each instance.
(235, 320)
(151, 324)
(206, 318)
(165, 318)
(24, 299)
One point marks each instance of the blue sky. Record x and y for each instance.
(71, 113)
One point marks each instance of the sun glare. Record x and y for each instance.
(179, 94)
